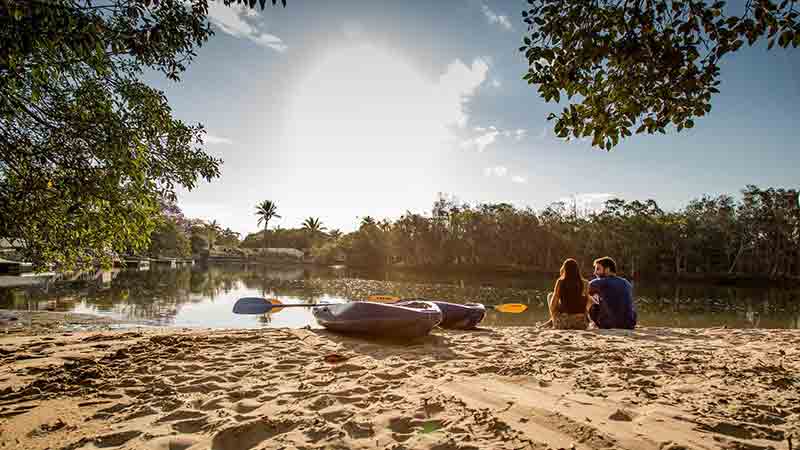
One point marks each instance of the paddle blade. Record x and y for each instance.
(513, 308)
(383, 298)
(251, 305)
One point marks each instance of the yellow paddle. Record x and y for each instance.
(512, 308)
(277, 303)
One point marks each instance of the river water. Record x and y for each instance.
(203, 297)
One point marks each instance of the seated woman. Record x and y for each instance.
(569, 303)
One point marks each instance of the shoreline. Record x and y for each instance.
(713, 279)
(716, 279)
(499, 388)
(26, 323)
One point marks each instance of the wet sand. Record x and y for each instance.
(14, 322)
(502, 388)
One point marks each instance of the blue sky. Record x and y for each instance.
(345, 109)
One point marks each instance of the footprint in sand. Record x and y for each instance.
(211, 378)
(190, 426)
(238, 395)
(321, 402)
(181, 414)
(246, 405)
(211, 404)
(179, 442)
(248, 435)
(390, 375)
(337, 415)
(358, 429)
(203, 388)
(141, 412)
(116, 439)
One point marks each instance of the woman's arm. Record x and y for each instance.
(589, 301)
(554, 301)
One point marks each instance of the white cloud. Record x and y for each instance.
(481, 141)
(488, 136)
(497, 171)
(495, 83)
(495, 18)
(236, 21)
(519, 179)
(458, 84)
(212, 139)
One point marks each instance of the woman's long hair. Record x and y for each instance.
(571, 280)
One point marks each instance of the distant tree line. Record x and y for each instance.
(757, 235)
(177, 236)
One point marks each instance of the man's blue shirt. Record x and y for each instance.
(616, 309)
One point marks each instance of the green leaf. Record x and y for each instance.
(786, 38)
(430, 427)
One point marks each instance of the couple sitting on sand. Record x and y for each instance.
(607, 300)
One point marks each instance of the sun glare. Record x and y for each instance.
(366, 123)
(364, 106)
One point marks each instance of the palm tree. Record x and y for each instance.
(212, 229)
(313, 227)
(266, 211)
(335, 234)
(367, 221)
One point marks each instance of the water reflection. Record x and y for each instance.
(192, 297)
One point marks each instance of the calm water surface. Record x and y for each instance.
(203, 297)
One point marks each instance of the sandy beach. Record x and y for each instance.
(497, 388)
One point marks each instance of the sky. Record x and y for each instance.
(344, 109)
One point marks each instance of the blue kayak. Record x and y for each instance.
(456, 316)
(413, 319)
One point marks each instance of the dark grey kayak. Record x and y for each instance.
(379, 319)
(457, 316)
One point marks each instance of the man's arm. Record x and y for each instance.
(594, 287)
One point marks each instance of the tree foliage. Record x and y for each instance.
(313, 226)
(639, 66)
(228, 238)
(758, 235)
(170, 239)
(87, 150)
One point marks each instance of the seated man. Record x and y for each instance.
(613, 307)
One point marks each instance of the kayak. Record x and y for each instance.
(457, 316)
(414, 319)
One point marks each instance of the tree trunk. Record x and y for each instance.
(736, 258)
(547, 261)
